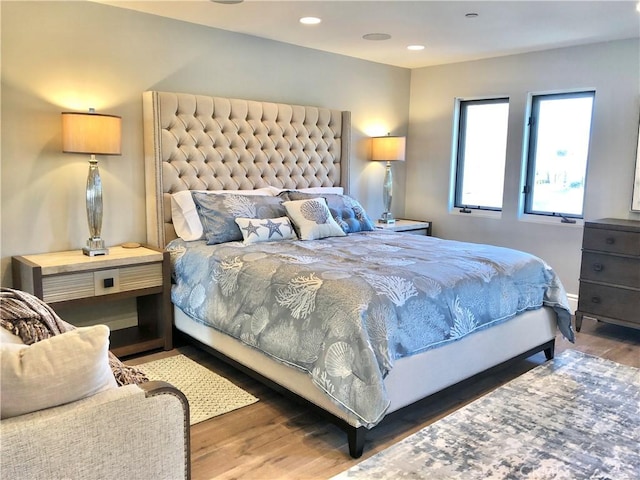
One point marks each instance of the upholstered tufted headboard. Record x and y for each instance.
(196, 142)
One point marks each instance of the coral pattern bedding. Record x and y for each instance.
(345, 308)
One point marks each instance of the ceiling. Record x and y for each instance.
(500, 28)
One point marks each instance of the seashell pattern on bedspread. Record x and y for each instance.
(344, 309)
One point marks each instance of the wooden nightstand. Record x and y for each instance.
(66, 279)
(414, 227)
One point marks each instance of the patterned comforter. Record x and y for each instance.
(344, 309)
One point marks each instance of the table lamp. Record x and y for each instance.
(94, 134)
(387, 149)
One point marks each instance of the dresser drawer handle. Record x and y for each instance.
(598, 267)
(595, 299)
(610, 241)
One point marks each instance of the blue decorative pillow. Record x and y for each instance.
(218, 213)
(345, 210)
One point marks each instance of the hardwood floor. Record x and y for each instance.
(276, 438)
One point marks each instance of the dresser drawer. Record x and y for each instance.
(606, 268)
(72, 286)
(618, 303)
(612, 241)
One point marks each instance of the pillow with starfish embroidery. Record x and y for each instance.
(256, 230)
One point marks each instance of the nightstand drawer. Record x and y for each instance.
(414, 227)
(420, 231)
(72, 286)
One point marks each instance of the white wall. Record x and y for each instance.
(612, 69)
(59, 56)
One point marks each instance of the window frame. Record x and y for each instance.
(459, 156)
(531, 126)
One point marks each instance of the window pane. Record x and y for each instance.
(558, 154)
(482, 150)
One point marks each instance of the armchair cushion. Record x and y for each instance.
(55, 371)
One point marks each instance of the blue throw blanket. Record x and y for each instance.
(344, 309)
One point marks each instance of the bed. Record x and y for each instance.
(348, 318)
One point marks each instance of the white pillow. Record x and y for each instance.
(55, 371)
(318, 190)
(184, 215)
(255, 230)
(313, 219)
(322, 190)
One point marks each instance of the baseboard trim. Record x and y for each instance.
(573, 301)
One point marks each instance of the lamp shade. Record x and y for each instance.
(388, 149)
(91, 133)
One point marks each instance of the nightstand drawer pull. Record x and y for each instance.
(598, 267)
(595, 300)
(610, 240)
(106, 281)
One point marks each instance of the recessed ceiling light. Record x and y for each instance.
(415, 47)
(471, 15)
(310, 20)
(376, 36)
(227, 2)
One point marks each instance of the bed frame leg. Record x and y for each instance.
(550, 351)
(356, 437)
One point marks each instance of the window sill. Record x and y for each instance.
(493, 214)
(549, 220)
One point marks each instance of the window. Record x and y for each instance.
(481, 153)
(559, 133)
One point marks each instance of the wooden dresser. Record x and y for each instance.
(610, 272)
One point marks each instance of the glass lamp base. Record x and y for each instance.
(95, 247)
(387, 218)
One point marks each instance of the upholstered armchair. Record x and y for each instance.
(71, 410)
(130, 432)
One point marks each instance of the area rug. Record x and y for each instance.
(208, 393)
(576, 417)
